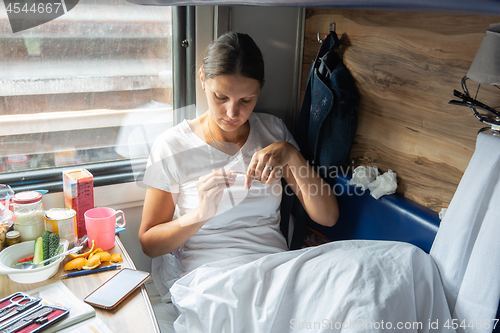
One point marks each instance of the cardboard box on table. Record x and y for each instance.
(78, 188)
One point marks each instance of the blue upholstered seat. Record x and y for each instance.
(392, 217)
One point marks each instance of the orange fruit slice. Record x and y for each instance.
(77, 263)
(83, 255)
(117, 257)
(105, 256)
(105, 263)
(92, 267)
(98, 250)
(93, 262)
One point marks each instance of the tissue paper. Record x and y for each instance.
(362, 176)
(383, 185)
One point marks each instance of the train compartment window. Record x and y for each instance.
(92, 86)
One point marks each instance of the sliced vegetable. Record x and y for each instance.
(29, 258)
(58, 251)
(38, 253)
(53, 244)
(46, 242)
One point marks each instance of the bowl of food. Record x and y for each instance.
(11, 255)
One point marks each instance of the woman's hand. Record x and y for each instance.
(160, 234)
(267, 164)
(315, 195)
(210, 190)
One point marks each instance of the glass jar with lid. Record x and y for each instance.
(12, 237)
(29, 216)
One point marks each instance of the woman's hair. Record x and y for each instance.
(234, 54)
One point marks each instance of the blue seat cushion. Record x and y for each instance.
(392, 217)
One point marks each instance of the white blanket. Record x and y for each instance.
(466, 249)
(352, 286)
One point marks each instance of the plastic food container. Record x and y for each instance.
(29, 216)
(62, 221)
(18, 162)
(13, 253)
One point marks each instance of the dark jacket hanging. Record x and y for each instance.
(327, 122)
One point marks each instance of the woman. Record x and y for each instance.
(232, 272)
(232, 76)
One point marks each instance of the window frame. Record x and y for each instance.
(126, 170)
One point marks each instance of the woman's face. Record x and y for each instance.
(231, 99)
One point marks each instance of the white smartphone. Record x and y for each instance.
(117, 288)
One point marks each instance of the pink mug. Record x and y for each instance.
(100, 224)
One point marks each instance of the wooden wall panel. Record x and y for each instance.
(406, 65)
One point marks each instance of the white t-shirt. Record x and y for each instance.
(247, 223)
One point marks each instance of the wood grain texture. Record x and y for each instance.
(406, 65)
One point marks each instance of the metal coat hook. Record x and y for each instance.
(332, 29)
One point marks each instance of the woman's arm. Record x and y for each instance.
(159, 234)
(314, 193)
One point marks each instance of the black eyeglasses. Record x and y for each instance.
(491, 119)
